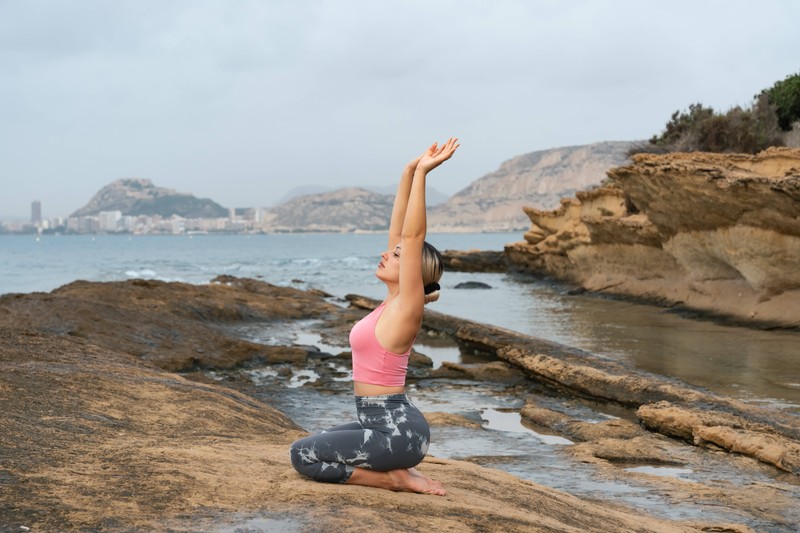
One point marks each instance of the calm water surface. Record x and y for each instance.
(753, 365)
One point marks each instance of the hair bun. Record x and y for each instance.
(432, 287)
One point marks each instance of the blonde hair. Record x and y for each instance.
(432, 269)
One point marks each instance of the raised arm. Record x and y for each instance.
(415, 227)
(401, 203)
(402, 316)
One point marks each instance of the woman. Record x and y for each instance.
(391, 435)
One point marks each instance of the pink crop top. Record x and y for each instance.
(372, 363)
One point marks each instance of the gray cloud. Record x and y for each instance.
(242, 100)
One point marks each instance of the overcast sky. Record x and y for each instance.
(240, 101)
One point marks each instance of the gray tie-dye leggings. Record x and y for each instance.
(391, 433)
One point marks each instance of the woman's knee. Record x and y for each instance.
(299, 455)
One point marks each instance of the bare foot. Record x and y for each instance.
(408, 481)
(416, 473)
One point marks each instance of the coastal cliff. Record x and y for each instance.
(717, 233)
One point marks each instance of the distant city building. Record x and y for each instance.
(36, 213)
(109, 220)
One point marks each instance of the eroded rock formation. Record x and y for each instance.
(719, 233)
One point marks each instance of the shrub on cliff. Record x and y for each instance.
(741, 130)
(744, 130)
(785, 96)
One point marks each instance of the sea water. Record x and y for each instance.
(753, 365)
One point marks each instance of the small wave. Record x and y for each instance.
(143, 273)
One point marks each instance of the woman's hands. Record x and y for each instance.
(436, 155)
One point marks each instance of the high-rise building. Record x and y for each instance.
(36, 213)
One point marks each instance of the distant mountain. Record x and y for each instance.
(538, 179)
(340, 210)
(136, 196)
(432, 196)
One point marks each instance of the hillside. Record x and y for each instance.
(136, 196)
(341, 210)
(539, 179)
(492, 203)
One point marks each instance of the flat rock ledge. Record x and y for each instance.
(98, 432)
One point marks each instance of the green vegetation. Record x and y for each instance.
(785, 96)
(742, 130)
(183, 205)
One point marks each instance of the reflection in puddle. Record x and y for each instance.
(346, 373)
(665, 471)
(511, 421)
(440, 354)
(260, 375)
(306, 338)
(299, 379)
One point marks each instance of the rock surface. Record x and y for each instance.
(97, 432)
(474, 261)
(718, 233)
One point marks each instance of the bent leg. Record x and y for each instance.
(331, 456)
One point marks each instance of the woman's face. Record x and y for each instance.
(389, 267)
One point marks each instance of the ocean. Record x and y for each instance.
(753, 365)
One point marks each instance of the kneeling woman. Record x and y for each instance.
(391, 435)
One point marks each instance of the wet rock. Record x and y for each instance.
(544, 417)
(767, 448)
(581, 430)
(472, 285)
(475, 261)
(417, 359)
(617, 429)
(451, 419)
(725, 430)
(494, 371)
(643, 449)
(174, 326)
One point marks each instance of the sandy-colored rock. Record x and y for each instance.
(450, 419)
(768, 448)
(94, 437)
(644, 449)
(718, 233)
(117, 445)
(494, 371)
(727, 431)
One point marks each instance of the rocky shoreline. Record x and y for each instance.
(714, 233)
(110, 419)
